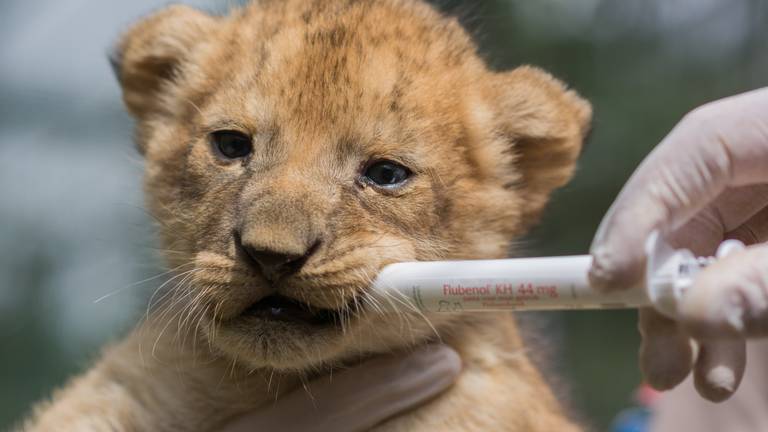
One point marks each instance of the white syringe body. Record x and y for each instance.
(549, 283)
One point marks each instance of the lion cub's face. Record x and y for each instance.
(295, 148)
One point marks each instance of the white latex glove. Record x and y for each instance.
(359, 398)
(706, 181)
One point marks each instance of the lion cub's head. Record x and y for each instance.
(294, 148)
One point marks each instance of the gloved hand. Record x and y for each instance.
(359, 398)
(706, 181)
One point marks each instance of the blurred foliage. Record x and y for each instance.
(642, 64)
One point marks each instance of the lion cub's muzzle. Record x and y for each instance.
(276, 264)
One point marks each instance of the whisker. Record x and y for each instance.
(412, 308)
(140, 282)
(177, 314)
(269, 381)
(183, 275)
(305, 385)
(196, 333)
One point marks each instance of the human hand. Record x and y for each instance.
(359, 398)
(707, 181)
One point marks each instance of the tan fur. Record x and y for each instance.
(324, 87)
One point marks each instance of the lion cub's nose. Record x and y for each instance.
(275, 262)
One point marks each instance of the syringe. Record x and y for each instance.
(548, 283)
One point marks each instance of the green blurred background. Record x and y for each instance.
(72, 230)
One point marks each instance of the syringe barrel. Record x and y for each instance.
(505, 284)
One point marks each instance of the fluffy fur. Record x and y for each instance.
(323, 88)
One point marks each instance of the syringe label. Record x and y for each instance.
(501, 291)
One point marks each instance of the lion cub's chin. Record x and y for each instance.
(277, 334)
(260, 341)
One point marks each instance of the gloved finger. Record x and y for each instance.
(720, 364)
(359, 398)
(734, 213)
(719, 368)
(717, 146)
(666, 353)
(753, 231)
(735, 206)
(718, 372)
(730, 211)
(399, 385)
(730, 297)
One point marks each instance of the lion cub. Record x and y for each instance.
(294, 148)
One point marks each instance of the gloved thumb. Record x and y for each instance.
(729, 298)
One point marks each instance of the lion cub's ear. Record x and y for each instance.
(543, 125)
(155, 53)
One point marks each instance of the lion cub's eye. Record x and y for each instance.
(232, 144)
(386, 173)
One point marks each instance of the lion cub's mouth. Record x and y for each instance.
(280, 308)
